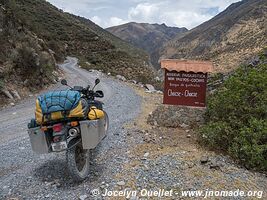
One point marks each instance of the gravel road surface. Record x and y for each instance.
(26, 175)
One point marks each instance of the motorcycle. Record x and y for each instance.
(75, 136)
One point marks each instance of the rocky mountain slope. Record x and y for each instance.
(67, 34)
(149, 37)
(228, 39)
(26, 62)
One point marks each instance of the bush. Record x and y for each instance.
(26, 60)
(236, 117)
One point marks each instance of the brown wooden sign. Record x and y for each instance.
(185, 82)
(185, 88)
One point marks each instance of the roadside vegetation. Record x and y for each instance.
(25, 60)
(236, 117)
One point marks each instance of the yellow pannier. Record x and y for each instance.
(77, 112)
(95, 113)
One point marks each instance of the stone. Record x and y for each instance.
(183, 125)
(150, 87)
(215, 165)
(204, 159)
(121, 183)
(146, 154)
(16, 94)
(12, 104)
(83, 197)
(8, 94)
(121, 78)
(51, 51)
(188, 136)
(140, 84)
(157, 78)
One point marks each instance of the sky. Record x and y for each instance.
(178, 13)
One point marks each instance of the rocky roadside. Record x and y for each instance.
(12, 94)
(171, 158)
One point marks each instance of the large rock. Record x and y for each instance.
(176, 116)
(16, 94)
(150, 88)
(7, 93)
(121, 78)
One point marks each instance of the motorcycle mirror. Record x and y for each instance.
(99, 94)
(97, 81)
(64, 82)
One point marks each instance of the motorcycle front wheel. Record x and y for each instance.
(78, 162)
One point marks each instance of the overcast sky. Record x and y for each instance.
(180, 13)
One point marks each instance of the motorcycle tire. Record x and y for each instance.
(78, 162)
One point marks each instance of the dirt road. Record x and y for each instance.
(26, 175)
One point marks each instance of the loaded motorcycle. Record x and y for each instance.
(72, 121)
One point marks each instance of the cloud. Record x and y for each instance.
(181, 13)
(113, 21)
(187, 19)
(96, 20)
(143, 11)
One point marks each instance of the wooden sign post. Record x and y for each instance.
(185, 82)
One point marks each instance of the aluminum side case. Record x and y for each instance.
(38, 140)
(92, 132)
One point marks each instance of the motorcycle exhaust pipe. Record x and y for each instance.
(73, 132)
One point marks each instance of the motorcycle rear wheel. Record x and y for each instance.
(78, 162)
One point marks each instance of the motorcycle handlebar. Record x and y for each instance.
(86, 91)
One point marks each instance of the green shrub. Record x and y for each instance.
(236, 117)
(26, 60)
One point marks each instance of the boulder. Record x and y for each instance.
(7, 93)
(176, 116)
(150, 88)
(121, 78)
(16, 94)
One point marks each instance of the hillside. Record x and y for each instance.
(230, 38)
(26, 63)
(149, 37)
(67, 34)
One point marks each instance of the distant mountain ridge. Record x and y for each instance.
(228, 39)
(149, 37)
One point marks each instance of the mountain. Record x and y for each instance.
(149, 37)
(228, 39)
(67, 34)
